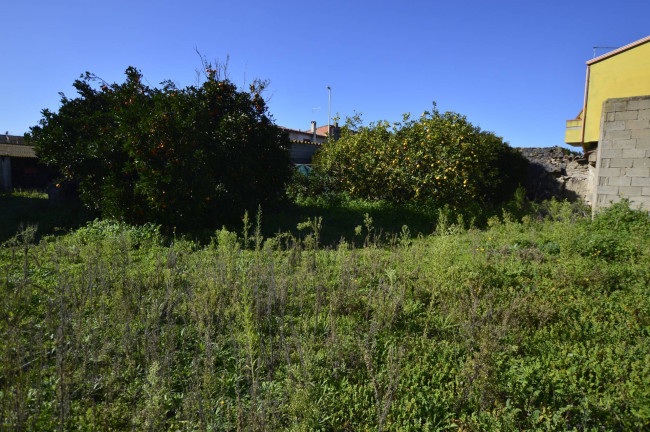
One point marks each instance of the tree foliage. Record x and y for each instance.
(190, 157)
(439, 157)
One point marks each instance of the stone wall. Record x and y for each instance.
(557, 172)
(623, 161)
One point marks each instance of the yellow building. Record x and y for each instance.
(623, 72)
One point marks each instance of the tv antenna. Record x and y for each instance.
(603, 47)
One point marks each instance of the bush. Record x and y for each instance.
(439, 157)
(306, 185)
(192, 157)
(615, 233)
(620, 216)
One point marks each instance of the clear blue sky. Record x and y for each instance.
(513, 67)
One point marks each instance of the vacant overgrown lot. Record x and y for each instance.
(539, 324)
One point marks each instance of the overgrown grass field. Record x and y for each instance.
(538, 324)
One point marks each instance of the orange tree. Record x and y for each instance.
(192, 157)
(439, 158)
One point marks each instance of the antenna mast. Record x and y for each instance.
(329, 110)
(602, 47)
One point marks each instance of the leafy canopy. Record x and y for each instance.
(191, 157)
(439, 157)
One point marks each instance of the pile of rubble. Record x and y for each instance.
(558, 172)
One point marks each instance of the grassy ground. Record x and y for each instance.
(340, 217)
(22, 208)
(541, 324)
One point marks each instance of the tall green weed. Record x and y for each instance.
(515, 327)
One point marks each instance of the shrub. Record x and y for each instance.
(615, 233)
(439, 157)
(192, 157)
(305, 185)
(620, 216)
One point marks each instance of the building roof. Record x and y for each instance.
(14, 146)
(308, 132)
(17, 150)
(323, 130)
(619, 50)
(12, 139)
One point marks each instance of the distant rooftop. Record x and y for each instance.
(12, 139)
(318, 131)
(14, 146)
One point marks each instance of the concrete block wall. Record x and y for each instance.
(623, 161)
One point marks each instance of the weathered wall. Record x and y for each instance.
(556, 172)
(623, 161)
